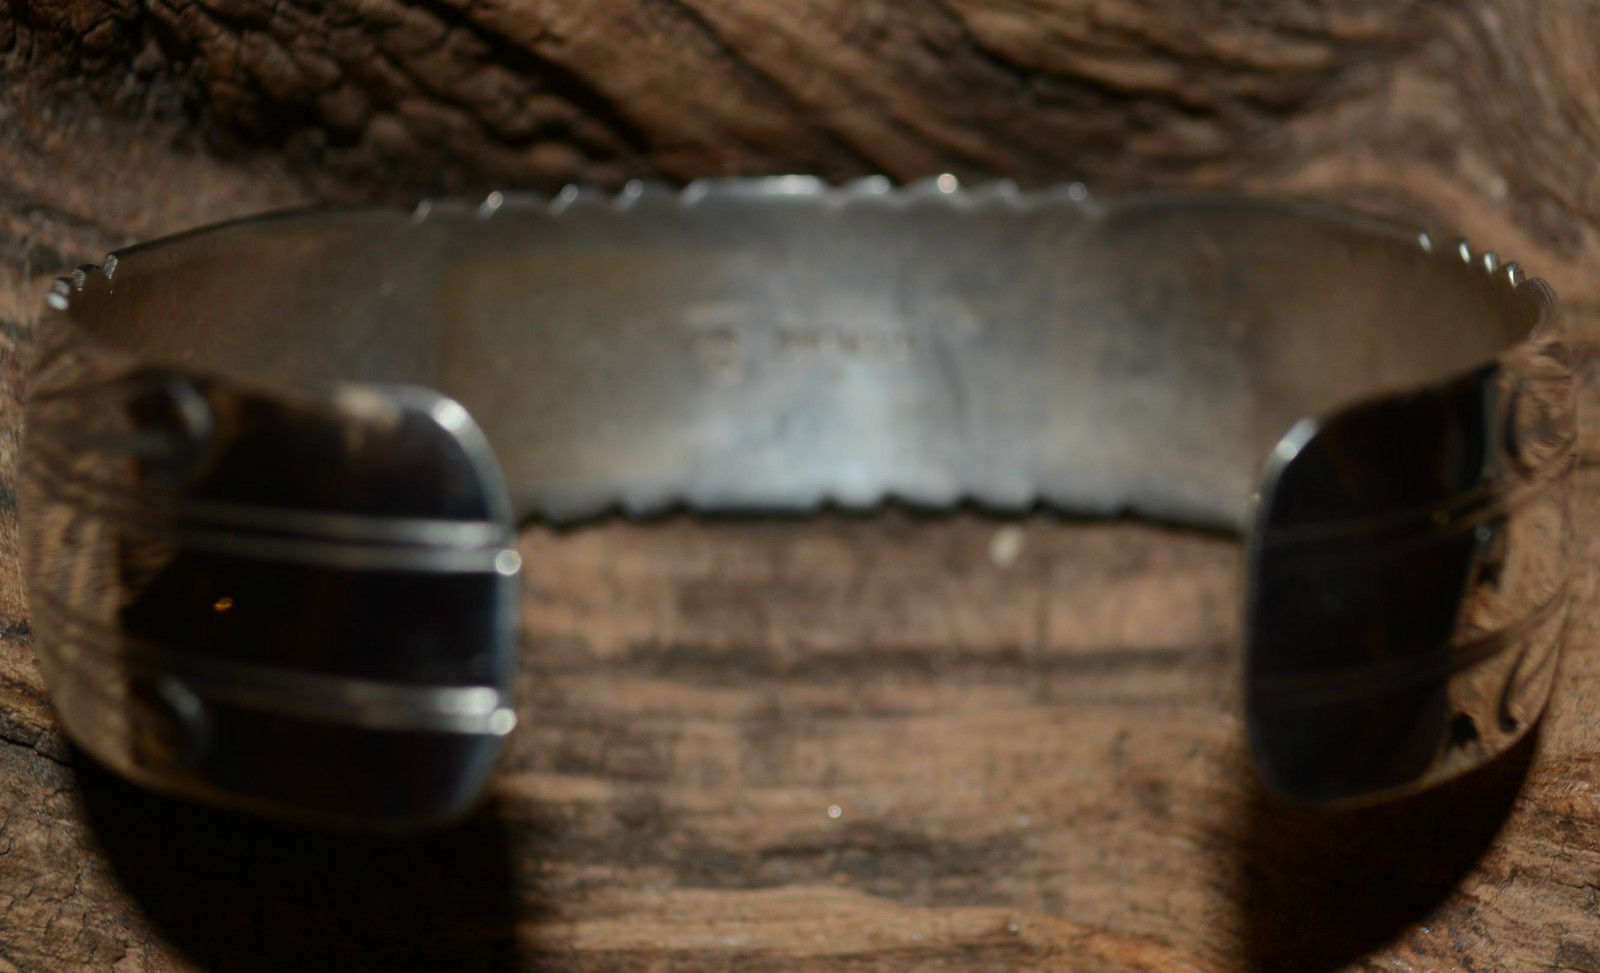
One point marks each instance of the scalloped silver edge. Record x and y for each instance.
(944, 188)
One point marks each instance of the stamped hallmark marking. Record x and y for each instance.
(727, 334)
(843, 340)
(723, 350)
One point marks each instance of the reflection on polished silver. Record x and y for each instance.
(270, 569)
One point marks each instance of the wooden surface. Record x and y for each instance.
(849, 743)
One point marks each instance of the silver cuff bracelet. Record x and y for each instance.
(271, 568)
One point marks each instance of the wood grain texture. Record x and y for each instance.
(846, 743)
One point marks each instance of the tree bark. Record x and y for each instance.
(839, 743)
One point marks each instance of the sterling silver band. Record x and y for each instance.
(271, 567)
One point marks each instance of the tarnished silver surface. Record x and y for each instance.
(233, 473)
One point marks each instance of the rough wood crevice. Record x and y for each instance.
(443, 94)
